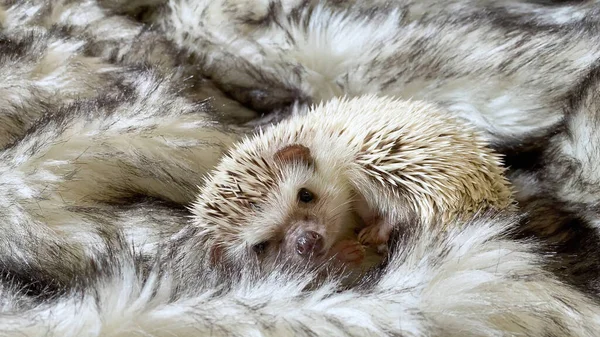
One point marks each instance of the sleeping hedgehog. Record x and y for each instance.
(304, 188)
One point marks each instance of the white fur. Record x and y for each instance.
(470, 282)
(509, 67)
(326, 52)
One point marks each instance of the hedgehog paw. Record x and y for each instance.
(349, 251)
(375, 235)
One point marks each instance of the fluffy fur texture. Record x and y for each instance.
(82, 136)
(471, 281)
(111, 112)
(481, 71)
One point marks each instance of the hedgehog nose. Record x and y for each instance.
(309, 242)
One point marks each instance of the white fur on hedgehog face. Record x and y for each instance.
(306, 198)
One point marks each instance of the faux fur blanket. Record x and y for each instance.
(113, 111)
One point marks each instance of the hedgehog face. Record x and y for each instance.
(297, 217)
(302, 215)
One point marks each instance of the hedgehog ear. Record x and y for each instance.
(294, 152)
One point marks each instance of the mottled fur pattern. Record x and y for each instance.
(470, 64)
(444, 289)
(83, 136)
(111, 113)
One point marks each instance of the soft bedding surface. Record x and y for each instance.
(112, 112)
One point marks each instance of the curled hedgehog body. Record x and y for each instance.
(293, 190)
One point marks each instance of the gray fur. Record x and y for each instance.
(86, 134)
(507, 79)
(112, 112)
(405, 299)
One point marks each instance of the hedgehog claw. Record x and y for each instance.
(349, 251)
(375, 235)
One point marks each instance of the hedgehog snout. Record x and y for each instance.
(309, 243)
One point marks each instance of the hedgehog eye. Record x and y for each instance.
(260, 248)
(305, 195)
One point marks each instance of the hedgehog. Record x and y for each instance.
(337, 177)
